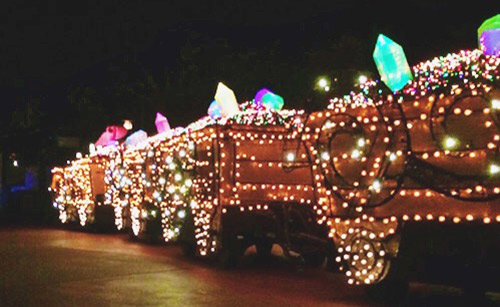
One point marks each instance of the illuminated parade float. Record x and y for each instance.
(420, 145)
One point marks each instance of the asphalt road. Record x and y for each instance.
(55, 267)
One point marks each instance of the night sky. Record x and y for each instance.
(73, 67)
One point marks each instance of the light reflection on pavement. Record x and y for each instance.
(53, 267)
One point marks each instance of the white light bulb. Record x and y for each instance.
(495, 104)
(92, 149)
(361, 142)
(127, 124)
(290, 156)
(376, 185)
(325, 156)
(177, 177)
(450, 142)
(355, 154)
(494, 169)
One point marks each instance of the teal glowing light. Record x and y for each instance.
(269, 99)
(488, 35)
(391, 63)
(273, 101)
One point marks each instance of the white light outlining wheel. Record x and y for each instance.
(365, 258)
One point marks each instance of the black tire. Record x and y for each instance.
(229, 253)
(187, 238)
(153, 233)
(104, 219)
(188, 248)
(331, 264)
(314, 259)
(395, 287)
(264, 248)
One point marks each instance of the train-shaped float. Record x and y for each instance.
(420, 145)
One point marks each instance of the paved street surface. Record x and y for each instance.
(54, 267)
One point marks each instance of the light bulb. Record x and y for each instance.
(127, 124)
(494, 169)
(355, 154)
(177, 177)
(376, 185)
(322, 82)
(495, 104)
(361, 142)
(450, 142)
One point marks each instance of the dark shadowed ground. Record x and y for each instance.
(54, 267)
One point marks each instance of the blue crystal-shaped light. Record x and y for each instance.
(136, 138)
(214, 110)
(391, 63)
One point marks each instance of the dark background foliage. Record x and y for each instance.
(73, 67)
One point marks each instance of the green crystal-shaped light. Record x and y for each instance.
(391, 63)
(488, 35)
(489, 24)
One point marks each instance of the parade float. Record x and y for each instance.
(419, 146)
(78, 189)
